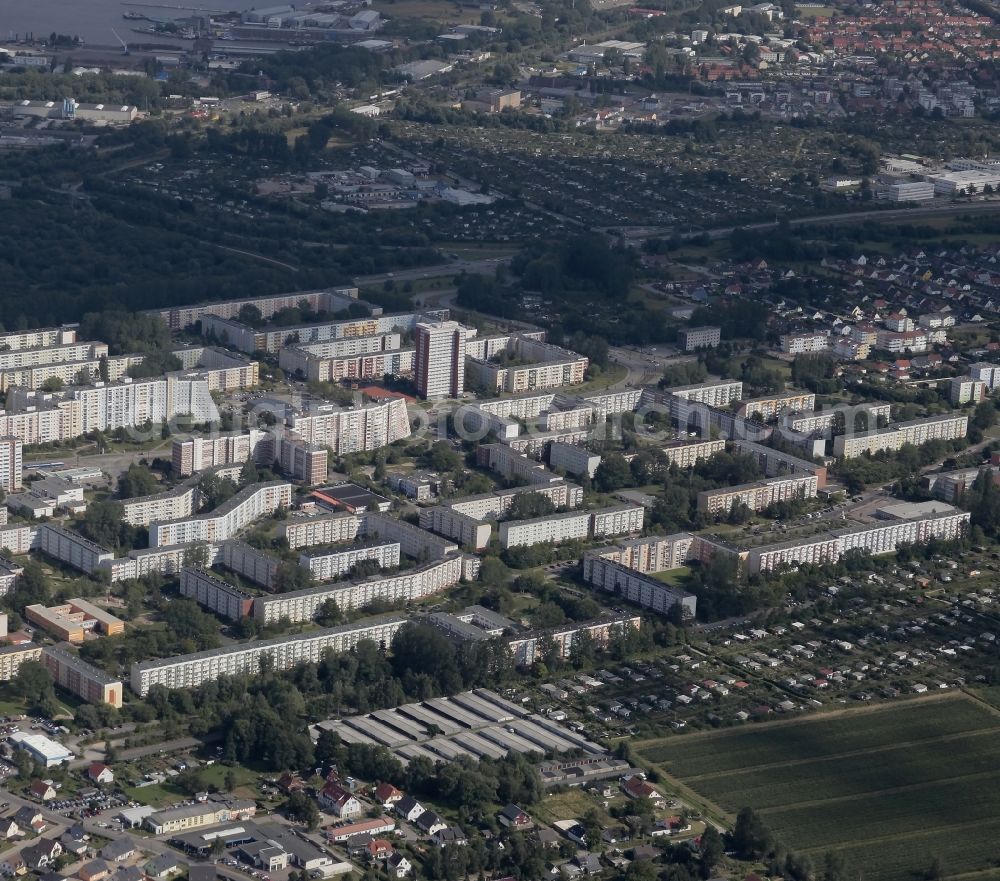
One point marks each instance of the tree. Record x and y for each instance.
(52, 384)
(712, 850)
(613, 473)
(137, 481)
(33, 682)
(750, 838)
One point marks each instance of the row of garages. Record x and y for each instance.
(477, 723)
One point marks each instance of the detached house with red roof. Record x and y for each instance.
(636, 787)
(387, 795)
(100, 774)
(339, 801)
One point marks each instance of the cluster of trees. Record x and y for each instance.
(137, 481)
(891, 465)
(103, 523)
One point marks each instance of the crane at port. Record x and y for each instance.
(120, 40)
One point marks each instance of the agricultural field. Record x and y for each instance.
(889, 788)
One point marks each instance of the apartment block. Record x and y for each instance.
(296, 359)
(325, 529)
(714, 393)
(413, 541)
(215, 594)
(9, 573)
(168, 560)
(573, 459)
(691, 339)
(530, 647)
(511, 464)
(12, 656)
(72, 620)
(71, 548)
(274, 339)
(253, 564)
(687, 454)
(412, 584)
(367, 427)
(804, 343)
(918, 431)
(40, 338)
(282, 653)
(758, 495)
(879, 538)
(775, 463)
(84, 351)
(68, 372)
(655, 553)
(966, 390)
(249, 504)
(466, 530)
(325, 566)
(621, 520)
(851, 418)
(771, 407)
(554, 528)
(194, 454)
(301, 460)
(82, 679)
(549, 367)
(987, 373)
(897, 342)
(535, 445)
(181, 501)
(635, 587)
(326, 300)
(11, 464)
(368, 365)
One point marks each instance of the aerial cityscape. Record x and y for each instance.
(506, 440)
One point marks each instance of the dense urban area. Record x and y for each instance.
(501, 439)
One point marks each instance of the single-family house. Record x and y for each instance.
(449, 835)
(387, 795)
(637, 787)
(13, 864)
(118, 850)
(41, 853)
(9, 829)
(95, 870)
(514, 818)
(379, 849)
(31, 818)
(128, 873)
(338, 801)
(409, 808)
(429, 823)
(42, 790)
(161, 866)
(100, 773)
(398, 866)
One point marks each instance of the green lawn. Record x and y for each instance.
(889, 788)
(673, 576)
(157, 795)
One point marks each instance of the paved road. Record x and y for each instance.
(487, 266)
(638, 233)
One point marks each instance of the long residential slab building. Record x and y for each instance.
(281, 653)
(916, 432)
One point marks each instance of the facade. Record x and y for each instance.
(758, 495)
(881, 538)
(12, 656)
(301, 460)
(687, 454)
(771, 407)
(529, 647)
(918, 431)
(194, 454)
(571, 526)
(11, 465)
(251, 563)
(282, 653)
(181, 501)
(82, 679)
(635, 587)
(804, 343)
(653, 553)
(573, 459)
(214, 594)
(199, 814)
(367, 365)
(249, 504)
(412, 584)
(364, 428)
(324, 529)
(325, 566)
(987, 373)
(439, 360)
(548, 367)
(714, 393)
(775, 463)
(966, 390)
(71, 548)
(693, 338)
